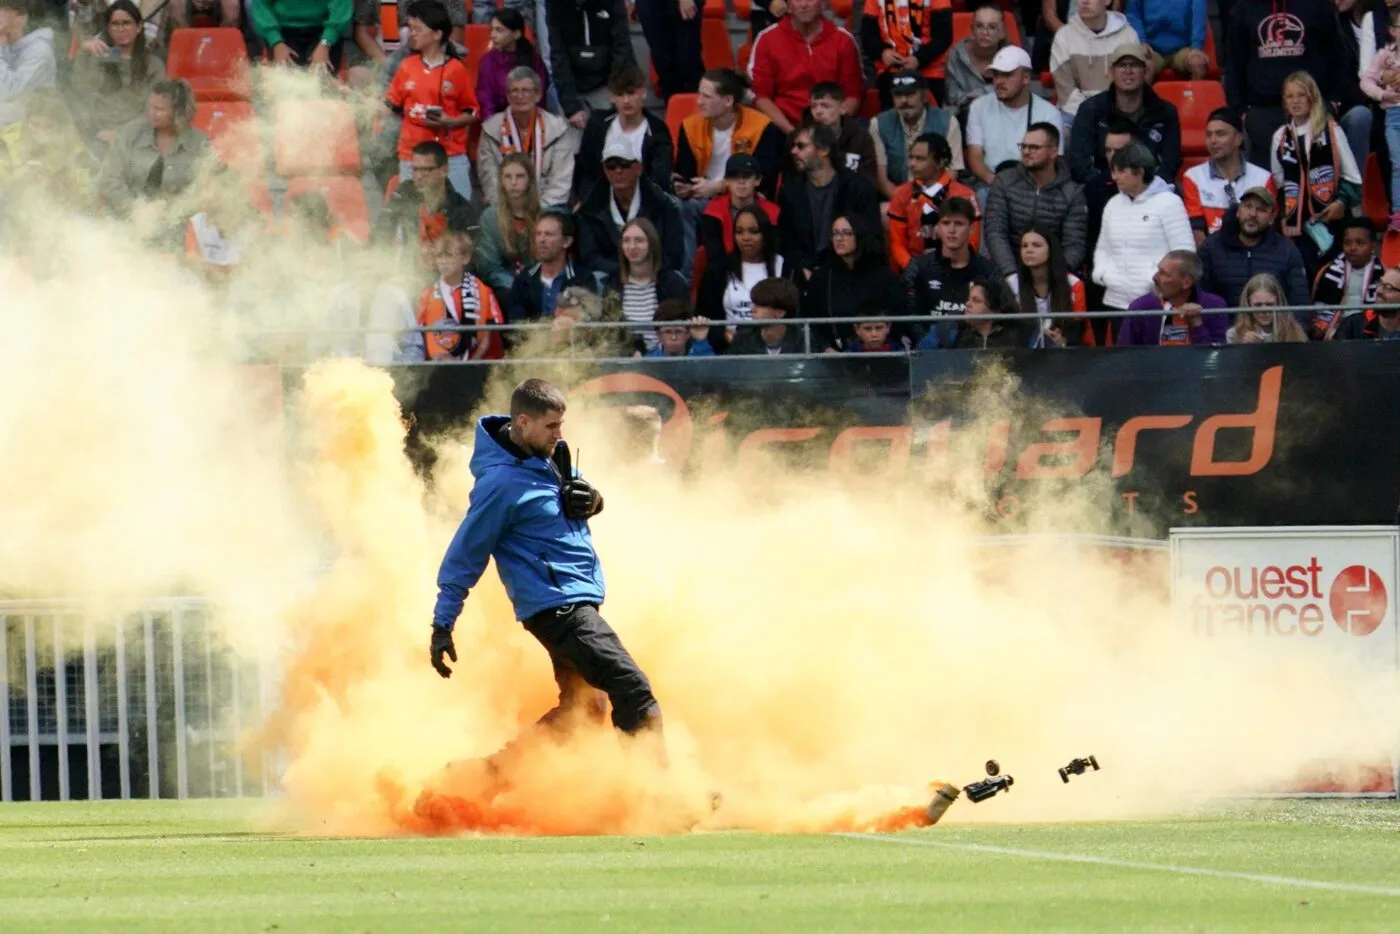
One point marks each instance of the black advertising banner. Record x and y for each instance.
(1304, 434)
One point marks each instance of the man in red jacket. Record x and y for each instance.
(800, 51)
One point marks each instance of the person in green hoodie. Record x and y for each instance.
(303, 32)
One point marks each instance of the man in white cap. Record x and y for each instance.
(626, 197)
(996, 123)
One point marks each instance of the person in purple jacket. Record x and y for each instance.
(509, 49)
(1174, 290)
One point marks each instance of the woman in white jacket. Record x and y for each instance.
(1142, 223)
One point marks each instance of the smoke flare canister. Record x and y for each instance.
(944, 795)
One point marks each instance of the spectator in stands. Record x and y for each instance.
(114, 73)
(1246, 245)
(510, 49)
(725, 292)
(936, 283)
(1267, 43)
(1079, 59)
(588, 41)
(365, 58)
(435, 94)
(1347, 285)
(1174, 32)
(525, 127)
(970, 62)
(50, 167)
(907, 35)
(818, 193)
(1100, 189)
(422, 209)
(218, 236)
(672, 32)
(741, 184)
(773, 300)
(1157, 122)
(854, 148)
(998, 122)
(536, 290)
(895, 131)
(154, 157)
(1380, 324)
(853, 271)
(791, 57)
(1386, 62)
(1365, 28)
(627, 197)
(305, 32)
(1141, 224)
(1038, 189)
(1263, 326)
(722, 127)
(27, 62)
(1212, 189)
(680, 333)
(508, 225)
(483, 10)
(1044, 286)
(459, 298)
(227, 14)
(628, 121)
(576, 305)
(1313, 168)
(1175, 289)
(874, 335)
(913, 212)
(988, 297)
(643, 280)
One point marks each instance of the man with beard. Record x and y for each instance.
(1037, 190)
(894, 131)
(1246, 245)
(1212, 189)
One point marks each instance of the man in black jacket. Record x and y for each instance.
(937, 282)
(537, 289)
(773, 300)
(626, 196)
(426, 205)
(1246, 245)
(816, 194)
(627, 88)
(588, 39)
(1129, 98)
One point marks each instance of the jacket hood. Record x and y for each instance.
(1116, 23)
(30, 40)
(487, 452)
(1159, 186)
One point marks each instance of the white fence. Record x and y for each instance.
(146, 704)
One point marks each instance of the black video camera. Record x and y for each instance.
(1078, 767)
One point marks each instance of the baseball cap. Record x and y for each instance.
(1010, 58)
(1226, 115)
(906, 81)
(740, 165)
(620, 149)
(1129, 50)
(1263, 194)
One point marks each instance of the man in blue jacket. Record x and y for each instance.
(529, 510)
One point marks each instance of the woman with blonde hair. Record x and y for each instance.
(505, 245)
(1261, 324)
(1314, 169)
(155, 156)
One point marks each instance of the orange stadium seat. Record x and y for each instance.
(315, 138)
(715, 46)
(1390, 249)
(389, 25)
(870, 107)
(962, 27)
(715, 9)
(741, 57)
(214, 62)
(678, 108)
(1375, 202)
(477, 38)
(743, 9)
(233, 130)
(843, 10)
(1194, 101)
(344, 196)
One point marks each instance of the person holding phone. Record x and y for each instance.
(114, 74)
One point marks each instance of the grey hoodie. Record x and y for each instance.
(25, 66)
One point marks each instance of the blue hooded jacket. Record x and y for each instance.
(515, 516)
(1169, 25)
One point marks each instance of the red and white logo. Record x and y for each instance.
(1358, 600)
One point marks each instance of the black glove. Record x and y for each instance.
(581, 500)
(442, 644)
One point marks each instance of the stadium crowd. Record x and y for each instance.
(929, 162)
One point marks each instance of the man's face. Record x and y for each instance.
(427, 174)
(549, 240)
(805, 156)
(709, 102)
(805, 12)
(922, 164)
(1388, 291)
(523, 95)
(954, 232)
(12, 22)
(910, 105)
(1169, 280)
(1008, 85)
(1128, 75)
(742, 188)
(1092, 9)
(673, 339)
(1037, 152)
(873, 333)
(539, 435)
(826, 111)
(622, 175)
(771, 334)
(1254, 217)
(1113, 143)
(629, 104)
(1359, 247)
(1222, 140)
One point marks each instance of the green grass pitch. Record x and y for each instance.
(199, 866)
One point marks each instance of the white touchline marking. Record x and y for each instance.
(1265, 878)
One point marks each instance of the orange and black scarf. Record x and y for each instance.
(1312, 176)
(1330, 289)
